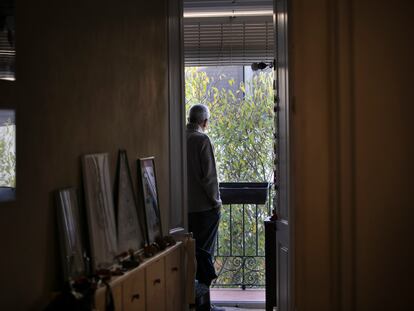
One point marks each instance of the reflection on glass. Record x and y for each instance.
(70, 233)
(149, 185)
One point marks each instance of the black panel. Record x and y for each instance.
(7, 40)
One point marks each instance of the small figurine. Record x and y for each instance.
(131, 262)
(150, 250)
(169, 240)
(161, 243)
(274, 215)
(117, 272)
(103, 274)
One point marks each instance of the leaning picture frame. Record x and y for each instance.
(131, 233)
(147, 183)
(70, 234)
(99, 210)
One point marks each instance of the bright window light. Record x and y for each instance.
(7, 155)
(228, 13)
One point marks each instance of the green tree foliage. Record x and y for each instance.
(241, 123)
(7, 155)
(241, 129)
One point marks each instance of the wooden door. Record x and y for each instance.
(282, 173)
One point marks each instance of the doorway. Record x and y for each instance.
(229, 51)
(241, 130)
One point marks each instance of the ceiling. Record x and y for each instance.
(192, 6)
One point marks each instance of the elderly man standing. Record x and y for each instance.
(204, 201)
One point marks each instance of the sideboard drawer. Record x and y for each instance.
(174, 278)
(134, 292)
(155, 281)
(148, 287)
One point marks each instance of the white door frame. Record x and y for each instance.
(178, 177)
(177, 144)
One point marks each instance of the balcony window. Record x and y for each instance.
(241, 130)
(222, 39)
(7, 155)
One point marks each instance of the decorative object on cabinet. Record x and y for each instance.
(148, 187)
(132, 262)
(169, 239)
(100, 210)
(163, 242)
(129, 260)
(155, 285)
(150, 250)
(160, 243)
(71, 242)
(130, 230)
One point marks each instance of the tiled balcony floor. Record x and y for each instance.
(251, 298)
(242, 309)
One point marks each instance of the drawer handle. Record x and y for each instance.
(133, 297)
(174, 269)
(157, 281)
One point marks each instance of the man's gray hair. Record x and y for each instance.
(198, 114)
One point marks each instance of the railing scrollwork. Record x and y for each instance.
(240, 255)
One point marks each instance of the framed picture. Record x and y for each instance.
(71, 242)
(148, 186)
(130, 230)
(99, 210)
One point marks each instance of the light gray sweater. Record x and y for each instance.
(203, 189)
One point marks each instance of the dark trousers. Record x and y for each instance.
(204, 226)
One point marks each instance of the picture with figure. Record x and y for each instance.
(150, 198)
(130, 232)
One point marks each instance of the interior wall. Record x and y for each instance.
(384, 153)
(92, 76)
(310, 153)
(353, 154)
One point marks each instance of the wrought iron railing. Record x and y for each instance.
(240, 255)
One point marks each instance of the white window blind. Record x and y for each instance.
(7, 55)
(228, 41)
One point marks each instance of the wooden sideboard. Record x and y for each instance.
(155, 285)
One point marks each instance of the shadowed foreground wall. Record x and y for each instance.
(353, 154)
(384, 155)
(91, 77)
